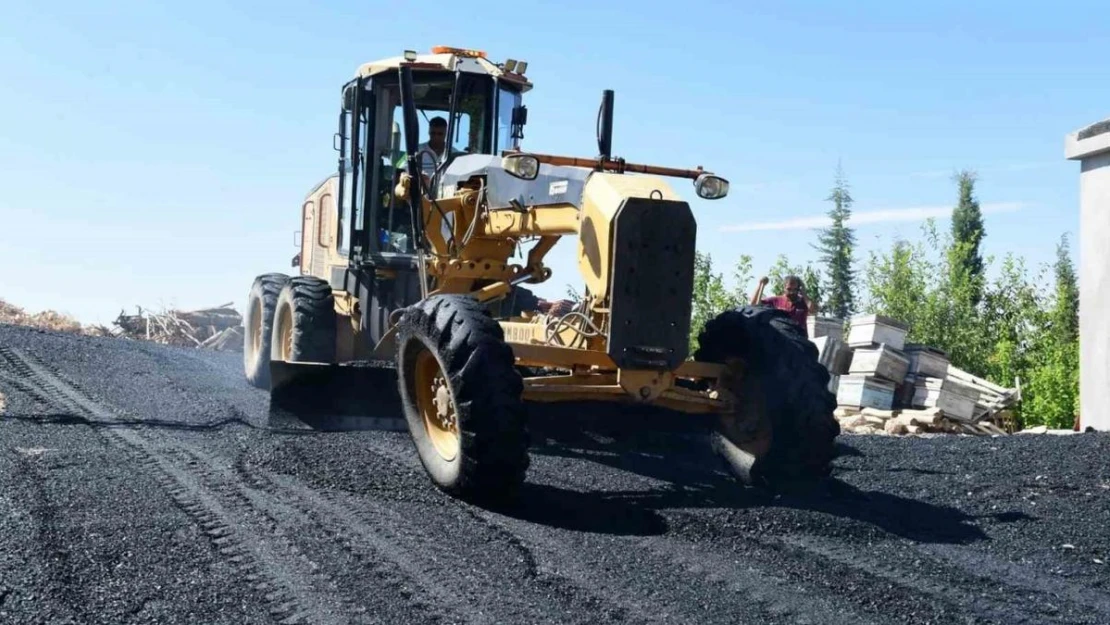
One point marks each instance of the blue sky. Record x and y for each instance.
(158, 153)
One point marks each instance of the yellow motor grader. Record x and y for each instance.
(407, 258)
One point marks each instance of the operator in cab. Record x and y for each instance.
(437, 143)
(793, 301)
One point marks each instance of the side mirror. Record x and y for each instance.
(710, 187)
(520, 118)
(349, 98)
(523, 166)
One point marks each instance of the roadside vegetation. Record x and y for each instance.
(1010, 329)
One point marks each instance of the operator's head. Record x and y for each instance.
(437, 133)
(792, 285)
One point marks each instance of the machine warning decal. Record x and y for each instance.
(558, 187)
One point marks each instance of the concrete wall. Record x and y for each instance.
(1091, 146)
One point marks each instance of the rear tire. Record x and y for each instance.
(462, 398)
(259, 326)
(305, 322)
(783, 433)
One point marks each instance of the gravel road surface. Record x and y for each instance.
(146, 484)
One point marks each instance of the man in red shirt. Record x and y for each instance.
(794, 301)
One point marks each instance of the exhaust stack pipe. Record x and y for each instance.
(605, 125)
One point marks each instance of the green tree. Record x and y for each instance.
(836, 245)
(742, 275)
(1008, 339)
(913, 283)
(811, 276)
(898, 282)
(968, 233)
(711, 297)
(1065, 312)
(1052, 393)
(777, 275)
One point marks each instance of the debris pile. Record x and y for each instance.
(219, 328)
(909, 421)
(47, 320)
(885, 385)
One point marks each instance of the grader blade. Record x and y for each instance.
(331, 397)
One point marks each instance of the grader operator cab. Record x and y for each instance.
(407, 258)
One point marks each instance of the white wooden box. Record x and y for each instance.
(832, 327)
(863, 391)
(883, 361)
(927, 361)
(876, 329)
(955, 399)
(833, 353)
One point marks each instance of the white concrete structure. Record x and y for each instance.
(1091, 146)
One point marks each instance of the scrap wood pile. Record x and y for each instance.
(908, 421)
(884, 385)
(218, 328)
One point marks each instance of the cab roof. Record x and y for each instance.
(446, 58)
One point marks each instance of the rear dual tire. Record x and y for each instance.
(305, 322)
(259, 327)
(288, 318)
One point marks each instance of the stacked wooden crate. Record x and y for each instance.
(878, 363)
(827, 333)
(886, 385)
(928, 385)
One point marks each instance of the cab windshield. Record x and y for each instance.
(471, 132)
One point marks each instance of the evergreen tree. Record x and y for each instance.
(836, 245)
(1065, 311)
(967, 236)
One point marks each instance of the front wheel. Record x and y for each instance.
(462, 397)
(783, 430)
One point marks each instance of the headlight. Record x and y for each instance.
(523, 166)
(710, 187)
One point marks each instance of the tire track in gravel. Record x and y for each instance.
(907, 569)
(775, 563)
(773, 571)
(63, 581)
(509, 588)
(223, 500)
(359, 544)
(982, 566)
(738, 587)
(271, 563)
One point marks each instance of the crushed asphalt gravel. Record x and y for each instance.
(146, 484)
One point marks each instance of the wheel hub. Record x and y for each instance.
(437, 406)
(444, 408)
